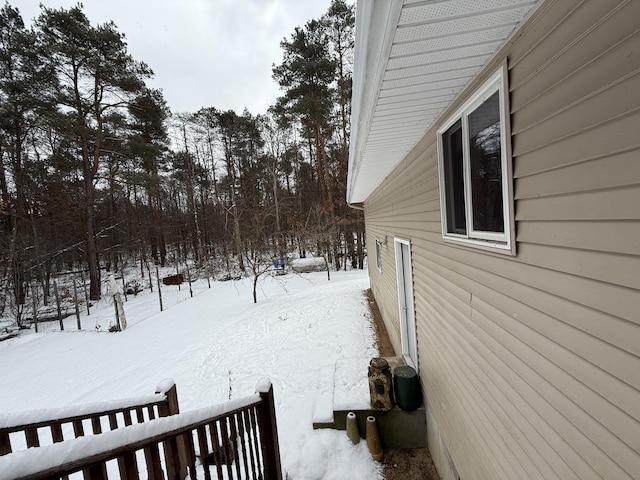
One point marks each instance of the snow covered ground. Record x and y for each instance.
(216, 345)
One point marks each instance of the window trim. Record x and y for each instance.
(498, 242)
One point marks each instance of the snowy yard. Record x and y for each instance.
(216, 345)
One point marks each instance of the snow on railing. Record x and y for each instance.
(47, 415)
(37, 427)
(238, 438)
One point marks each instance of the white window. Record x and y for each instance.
(475, 170)
(379, 255)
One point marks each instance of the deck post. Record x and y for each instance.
(177, 454)
(269, 435)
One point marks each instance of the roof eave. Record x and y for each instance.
(412, 61)
(371, 55)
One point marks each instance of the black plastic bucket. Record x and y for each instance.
(406, 386)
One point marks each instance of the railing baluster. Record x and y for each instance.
(216, 445)
(78, 431)
(57, 437)
(31, 435)
(255, 462)
(227, 453)
(5, 444)
(185, 454)
(78, 428)
(128, 466)
(243, 439)
(154, 464)
(190, 452)
(256, 441)
(234, 443)
(139, 414)
(56, 432)
(96, 426)
(203, 446)
(172, 459)
(127, 417)
(97, 472)
(113, 421)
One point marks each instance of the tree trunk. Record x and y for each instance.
(234, 208)
(162, 240)
(236, 228)
(326, 182)
(113, 234)
(344, 117)
(156, 230)
(18, 176)
(152, 226)
(191, 201)
(4, 192)
(92, 250)
(213, 165)
(205, 226)
(255, 287)
(20, 225)
(274, 176)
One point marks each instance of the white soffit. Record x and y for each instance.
(412, 58)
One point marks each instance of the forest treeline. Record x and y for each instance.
(96, 170)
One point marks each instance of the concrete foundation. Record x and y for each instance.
(397, 428)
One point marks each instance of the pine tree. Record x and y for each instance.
(97, 77)
(306, 74)
(147, 143)
(25, 92)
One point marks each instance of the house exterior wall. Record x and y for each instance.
(530, 363)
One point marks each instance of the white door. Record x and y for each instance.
(405, 302)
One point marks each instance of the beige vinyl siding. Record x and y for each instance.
(383, 284)
(531, 363)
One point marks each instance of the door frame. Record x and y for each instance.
(405, 289)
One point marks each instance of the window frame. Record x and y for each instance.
(502, 242)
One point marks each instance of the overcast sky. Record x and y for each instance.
(204, 53)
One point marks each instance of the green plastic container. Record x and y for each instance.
(406, 386)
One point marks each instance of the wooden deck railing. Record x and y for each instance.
(236, 440)
(43, 427)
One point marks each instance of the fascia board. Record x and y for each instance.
(376, 23)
